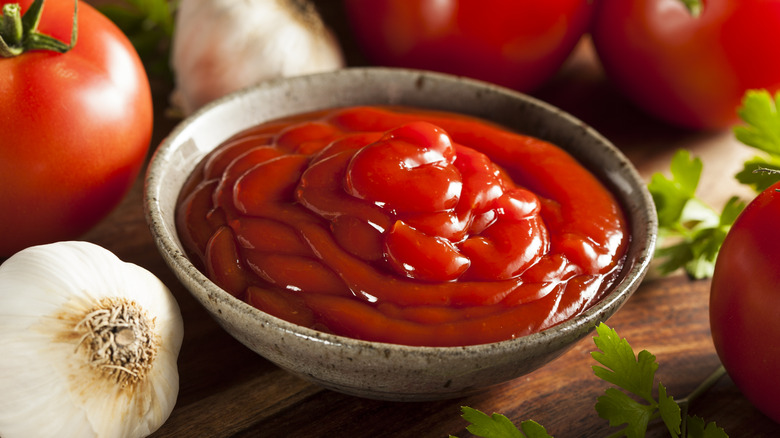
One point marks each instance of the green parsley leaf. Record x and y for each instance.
(495, 425)
(633, 373)
(499, 426)
(698, 429)
(629, 405)
(670, 411)
(761, 130)
(672, 195)
(690, 232)
(532, 429)
(750, 175)
(620, 366)
(632, 403)
(619, 408)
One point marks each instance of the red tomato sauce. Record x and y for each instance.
(402, 225)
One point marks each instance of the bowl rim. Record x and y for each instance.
(582, 323)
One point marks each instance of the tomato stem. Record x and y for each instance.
(12, 24)
(19, 33)
(693, 6)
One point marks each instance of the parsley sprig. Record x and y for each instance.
(690, 231)
(499, 426)
(761, 131)
(634, 404)
(629, 405)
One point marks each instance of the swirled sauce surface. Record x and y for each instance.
(402, 225)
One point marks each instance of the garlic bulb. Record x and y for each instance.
(88, 345)
(221, 46)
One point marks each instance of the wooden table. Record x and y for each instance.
(228, 391)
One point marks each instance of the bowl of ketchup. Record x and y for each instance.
(398, 234)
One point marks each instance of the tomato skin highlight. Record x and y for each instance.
(515, 43)
(744, 302)
(689, 71)
(76, 129)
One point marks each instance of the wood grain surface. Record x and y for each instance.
(228, 391)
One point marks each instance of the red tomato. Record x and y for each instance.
(689, 71)
(75, 128)
(745, 299)
(515, 43)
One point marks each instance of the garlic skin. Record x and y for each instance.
(221, 46)
(88, 345)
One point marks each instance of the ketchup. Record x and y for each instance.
(402, 225)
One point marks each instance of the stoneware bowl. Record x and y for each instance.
(370, 369)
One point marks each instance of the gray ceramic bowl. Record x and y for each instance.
(377, 370)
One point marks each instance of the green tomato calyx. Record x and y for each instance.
(693, 6)
(19, 33)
